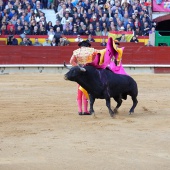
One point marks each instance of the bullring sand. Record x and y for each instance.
(40, 128)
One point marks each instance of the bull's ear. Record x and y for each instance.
(66, 66)
(82, 69)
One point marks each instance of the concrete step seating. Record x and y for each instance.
(50, 15)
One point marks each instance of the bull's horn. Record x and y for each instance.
(82, 69)
(66, 66)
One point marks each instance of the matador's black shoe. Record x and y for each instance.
(86, 113)
(80, 113)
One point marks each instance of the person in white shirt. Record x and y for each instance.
(78, 39)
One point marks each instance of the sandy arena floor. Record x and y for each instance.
(41, 130)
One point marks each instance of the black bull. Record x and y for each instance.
(104, 84)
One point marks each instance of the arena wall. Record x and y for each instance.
(136, 55)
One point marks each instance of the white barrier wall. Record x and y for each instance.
(7, 69)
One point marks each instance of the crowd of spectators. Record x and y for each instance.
(78, 17)
(86, 17)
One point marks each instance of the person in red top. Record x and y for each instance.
(10, 25)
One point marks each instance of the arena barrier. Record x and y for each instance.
(136, 58)
(59, 68)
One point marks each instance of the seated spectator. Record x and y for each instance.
(78, 39)
(38, 6)
(134, 39)
(43, 31)
(29, 42)
(94, 20)
(106, 21)
(129, 23)
(123, 38)
(138, 32)
(46, 43)
(3, 30)
(11, 31)
(37, 43)
(136, 24)
(103, 43)
(35, 31)
(87, 22)
(67, 31)
(91, 30)
(103, 26)
(63, 42)
(49, 25)
(83, 30)
(58, 34)
(24, 42)
(65, 19)
(58, 24)
(119, 25)
(51, 34)
(122, 28)
(75, 31)
(67, 24)
(11, 40)
(19, 30)
(128, 27)
(43, 20)
(53, 42)
(112, 27)
(98, 31)
(90, 39)
(146, 29)
(10, 25)
(105, 32)
(27, 30)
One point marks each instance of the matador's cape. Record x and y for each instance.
(102, 60)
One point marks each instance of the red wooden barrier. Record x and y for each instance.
(57, 55)
(2, 42)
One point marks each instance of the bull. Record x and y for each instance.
(104, 84)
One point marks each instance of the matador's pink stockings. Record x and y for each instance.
(81, 97)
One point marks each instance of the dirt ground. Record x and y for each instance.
(40, 128)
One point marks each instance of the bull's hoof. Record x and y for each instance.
(91, 112)
(112, 115)
(130, 113)
(116, 110)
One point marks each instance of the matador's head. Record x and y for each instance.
(84, 44)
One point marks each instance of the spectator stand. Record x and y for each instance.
(42, 38)
(86, 16)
